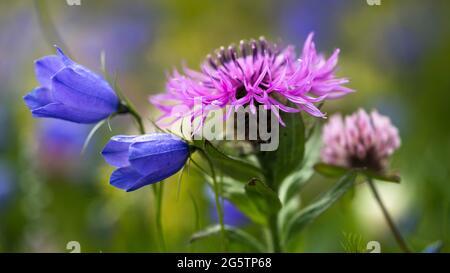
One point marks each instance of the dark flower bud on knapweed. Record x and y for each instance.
(361, 140)
(69, 91)
(145, 159)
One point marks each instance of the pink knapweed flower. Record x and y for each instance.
(361, 140)
(255, 73)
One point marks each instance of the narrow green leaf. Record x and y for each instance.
(337, 171)
(311, 212)
(288, 210)
(395, 178)
(265, 199)
(235, 235)
(91, 134)
(235, 168)
(329, 170)
(294, 182)
(282, 162)
(353, 243)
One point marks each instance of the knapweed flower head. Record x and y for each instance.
(360, 140)
(69, 91)
(145, 159)
(257, 73)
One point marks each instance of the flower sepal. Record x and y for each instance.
(334, 171)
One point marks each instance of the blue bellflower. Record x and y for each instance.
(145, 159)
(69, 91)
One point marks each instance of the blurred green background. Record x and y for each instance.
(396, 55)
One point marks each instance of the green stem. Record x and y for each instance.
(159, 191)
(48, 28)
(398, 236)
(138, 120)
(217, 199)
(273, 232)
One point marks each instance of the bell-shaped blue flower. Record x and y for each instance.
(69, 91)
(145, 159)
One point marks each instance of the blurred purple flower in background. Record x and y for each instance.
(360, 140)
(408, 37)
(6, 185)
(59, 145)
(122, 34)
(69, 91)
(144, 160)
(15, 53)
(232, 216)
(298, 18)
(4, 124)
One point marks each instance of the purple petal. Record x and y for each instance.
(124, 178)
(162, 153)
(61, 111)
(46, 68)
(83, 90)
(64, 59)
(129, 179)
(311, 109)
(116, 150)
(39, 97)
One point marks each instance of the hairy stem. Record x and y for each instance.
(398, 236)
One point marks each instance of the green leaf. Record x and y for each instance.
(395, 178)
(282, 162)
(264, 198)
(329, 170)
(337, 171)
(235, 235)
(234, 191)
(288, 211)
(235, 168)
(311, 212)
(353, 243)
(294, 182)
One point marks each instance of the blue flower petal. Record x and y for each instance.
(61, 111)
(46, 68)
(84, 91)
(116, 150)
(162, 153)
(70, 91)
(129, 179)
(124, 178)
(37, 98)
(63, 57)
